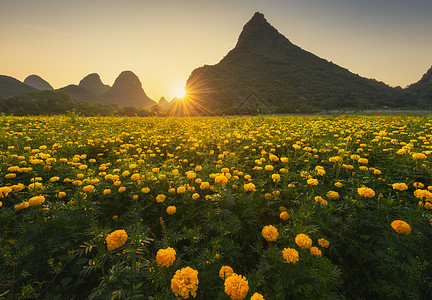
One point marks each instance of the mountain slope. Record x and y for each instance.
(38, 83)
(127, 91)
(270, 73)
(10, 86)
(94, 84)
(422, 89)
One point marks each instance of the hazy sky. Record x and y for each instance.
(163, 41)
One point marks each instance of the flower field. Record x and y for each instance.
(216, 208)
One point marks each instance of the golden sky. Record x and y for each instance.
(163, 41)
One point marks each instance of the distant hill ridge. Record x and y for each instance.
(266, 66)
(38, 83)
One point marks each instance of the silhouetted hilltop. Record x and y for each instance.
(38, 83)
(163, 102)
(80, 93)
(422, 89)
(265, 72)
(94, 84)
(10, 86)
(127, 91)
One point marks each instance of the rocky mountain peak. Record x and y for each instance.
(94, 84)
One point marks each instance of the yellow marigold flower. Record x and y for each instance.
(284, 159)
(181, 190)
(61, 194)
(366, 192)
(419, 156)
(338, 184)
(401, 151)
(332, 195)
(423, 195)
(401, 227)
(315, 251)
(195, 196)
(312, 181)
(106, 192)
(273, 158)
(171, 210)
(204, 185)
(160, 198)
(145, 190)
(221, 179)
(334, 159)
(10, 175)
(290, 255)
(1, 204)
(257, 296)
(165, 257)
(132, 166)
(303, 241)
(36, 200)
(21, 206)
(185, 282)
(236, 286)
(4, 191)
(284, 215)
(191, 175)
(88, 188)
(323, 243)
(54, 178)
(116, 239)
(400, 186)
(135, 176)
(363, 160)
(282, 208)
(426, 205)
(270, 233)
(269, 168)
(418, 185)
(225, 272)
(276, 177)
(249, 187)
(121, 189)
(135, 197)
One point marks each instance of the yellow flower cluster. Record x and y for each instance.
(366, 192)
(312, 181)
(185, 282)
(236, 286)
(165, 257)
(401, 227)
(116, 239)
(303, 241)
(270, 233)
(249, 186)
(284, 216)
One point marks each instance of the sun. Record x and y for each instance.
(179, 91)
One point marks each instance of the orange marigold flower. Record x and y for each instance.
(257, 296)
(290, 255)
(225, 272)
(399, 186)
(303, 241)
(160, 198)
(401, 227)
(284, 216)
(332, 195)
(270, 233)
(36, 200)
(116, 239)
(323, 243)
(185, 282)
(236, 286)
(171, 210)
(315, 251)
(366, 192)
(165, 257)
